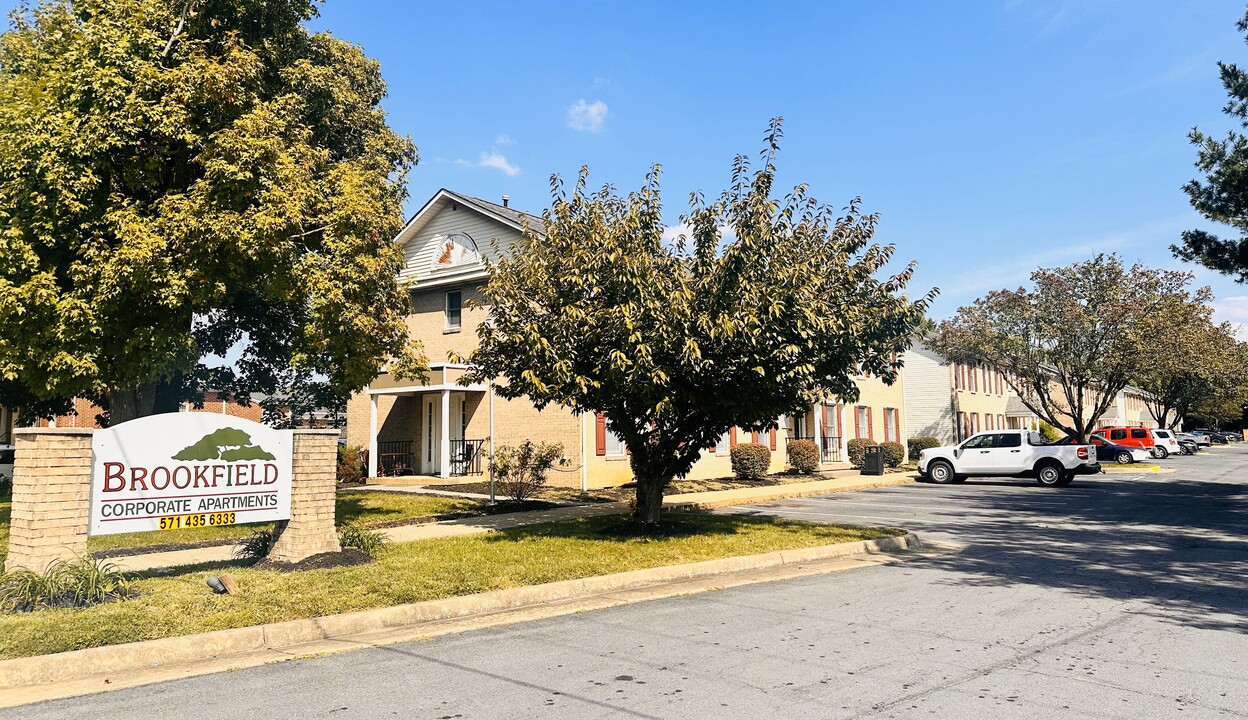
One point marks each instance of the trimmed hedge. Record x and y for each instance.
(857, 449)
(918, 444)
(803, 456)
(750, 461)
(894, 453)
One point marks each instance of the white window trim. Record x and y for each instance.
(446, 311)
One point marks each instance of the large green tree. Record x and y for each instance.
(1070, 343)
(1222, 196)
(1188, 360)
(183, 177)
(766, 307)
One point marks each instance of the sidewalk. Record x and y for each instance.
(505, 521)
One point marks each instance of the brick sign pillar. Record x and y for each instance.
(51, 497)
(310, 530)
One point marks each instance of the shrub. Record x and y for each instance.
(857, 449)
(369, 542)
(894, 453)
(64, 584)
(917, 445)
(350, 469)
(6, 487)
(521, 471)
(256, 546)
(803, 456)
(750, 461)
(1049, 433)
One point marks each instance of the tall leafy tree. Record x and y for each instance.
(183, 177)
(1070, 343)
(1222, 196)
(1188, 360)
(766, 307)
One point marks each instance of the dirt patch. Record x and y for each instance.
(624, 493)
(322, 561)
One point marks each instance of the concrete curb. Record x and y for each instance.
(27, 672)
(1136, 470)
(711, 500)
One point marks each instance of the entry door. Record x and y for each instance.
(431, 415)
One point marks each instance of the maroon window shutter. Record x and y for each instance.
(754, 437)
(840, 420)
(600, 434)
(826, 414)
(732, 438)
(772, 436)
(870, 425)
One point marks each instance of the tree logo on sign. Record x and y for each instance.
(227, 444)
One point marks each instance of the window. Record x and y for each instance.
(454, 309)
(890, 425)
(615, 445)
(974, 423)
(721, 445)
(980, 442)
(988, 423)
(1009, 440)
(862, 422)
(1139, 434)
(957, 376)
(1117, 434)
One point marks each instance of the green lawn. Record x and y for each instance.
(368, 509)
(181, 604)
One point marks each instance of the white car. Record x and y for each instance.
(1011, 453)
(1167, 443)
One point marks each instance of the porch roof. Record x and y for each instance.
(442, 377)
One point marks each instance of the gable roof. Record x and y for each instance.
(506, 215)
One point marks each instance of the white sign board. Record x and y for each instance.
(191, 469)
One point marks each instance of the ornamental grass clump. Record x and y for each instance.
(77, 583)
(750, 461)
(369, 542)
(803, 456)
(256, 546)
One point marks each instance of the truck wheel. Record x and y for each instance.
(1050, 474)
(1124, 458)
(941, 472)
(1161, 453)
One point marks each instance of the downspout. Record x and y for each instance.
(491, 391)
(584, 464)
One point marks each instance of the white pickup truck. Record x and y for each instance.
(1014, 453)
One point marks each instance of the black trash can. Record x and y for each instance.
(873, 460)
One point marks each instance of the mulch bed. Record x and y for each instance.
(322, 561)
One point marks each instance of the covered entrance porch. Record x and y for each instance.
(442, 429)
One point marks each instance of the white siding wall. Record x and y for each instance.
(419, 251)
(928, 395)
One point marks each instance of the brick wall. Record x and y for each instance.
(310, 530)
(51, 496)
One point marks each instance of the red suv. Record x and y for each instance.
(1131, 436)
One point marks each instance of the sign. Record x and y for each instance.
(185, 470)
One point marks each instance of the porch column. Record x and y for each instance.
(816, 412)
(372, 436)
(444, 451)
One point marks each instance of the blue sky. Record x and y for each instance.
(991, 137)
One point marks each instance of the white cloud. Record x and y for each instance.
(587, 116)
(672, 232)
(503, 140)
(493, 160)
(1234, 310)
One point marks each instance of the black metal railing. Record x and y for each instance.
(394, 457)
(466, 457)
(831, 446)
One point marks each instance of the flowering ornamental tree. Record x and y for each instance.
(762, 308)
